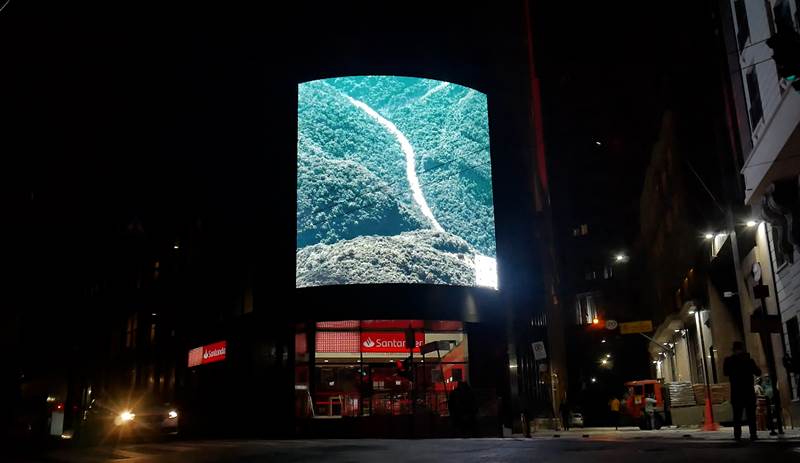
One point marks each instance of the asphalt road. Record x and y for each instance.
(596, 448)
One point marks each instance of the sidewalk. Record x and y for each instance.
(667, 432)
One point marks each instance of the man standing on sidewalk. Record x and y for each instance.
(564, 409)
(741, 369)
(613, 404)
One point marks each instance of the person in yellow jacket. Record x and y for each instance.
(613, 405)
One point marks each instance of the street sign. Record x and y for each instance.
(539, 352)
(761, 291)
(434, 346)
(611, 324)
(209, 353)
(770, 324)
(642, 326)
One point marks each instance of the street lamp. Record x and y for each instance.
(708, 236)
(751, 223)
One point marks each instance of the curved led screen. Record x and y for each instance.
(394, 183)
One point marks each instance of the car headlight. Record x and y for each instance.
(126, 416)
(172, 414)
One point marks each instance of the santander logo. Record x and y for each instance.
(368, 343)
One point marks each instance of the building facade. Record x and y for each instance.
(191, 297)
(767, 113)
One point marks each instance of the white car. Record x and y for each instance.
(576, 420)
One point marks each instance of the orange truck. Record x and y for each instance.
(636, 399)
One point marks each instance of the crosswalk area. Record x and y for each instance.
(137, 452)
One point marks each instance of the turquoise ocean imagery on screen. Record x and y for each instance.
(394, 183)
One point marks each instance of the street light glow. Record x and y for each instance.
(751, 223)
(620, 257)
(595, 321)
(708, 236)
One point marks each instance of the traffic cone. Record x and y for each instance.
(709, 424)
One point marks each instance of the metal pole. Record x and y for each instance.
(444, 383)
(773, 370)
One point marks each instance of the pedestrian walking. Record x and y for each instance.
(564, 409)
(650, 411)
(741, 370)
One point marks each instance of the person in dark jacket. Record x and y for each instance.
(463, 409)
(565, 415)
(741, 369)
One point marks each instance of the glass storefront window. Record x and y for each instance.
(362, 368)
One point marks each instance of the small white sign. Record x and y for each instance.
(611, 324)
(539, 352)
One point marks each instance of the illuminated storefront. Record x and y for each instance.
(356, 368)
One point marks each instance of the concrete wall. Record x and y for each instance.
(760, 254)
(683, 368)
(781, 106)
(724, 330)
(787, 286)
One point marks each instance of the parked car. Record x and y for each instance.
(576, 420)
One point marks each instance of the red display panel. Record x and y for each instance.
(209, 353)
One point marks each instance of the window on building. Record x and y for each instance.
(130, 331)
(742, 26)
(358, 368)
(756, 110)
(780, 258)
(247, 300)
(585, 308)
(782, 16)
(793, 333)
(608, 272)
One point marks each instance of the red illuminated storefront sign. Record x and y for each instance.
(367, 342)
(209, 353)
(389, 341)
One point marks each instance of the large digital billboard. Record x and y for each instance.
(394, 183)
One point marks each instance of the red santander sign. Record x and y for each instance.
(389, 341)
(209, 353)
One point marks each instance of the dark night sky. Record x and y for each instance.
(609, 70)
(131, 73)
(603, 70)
